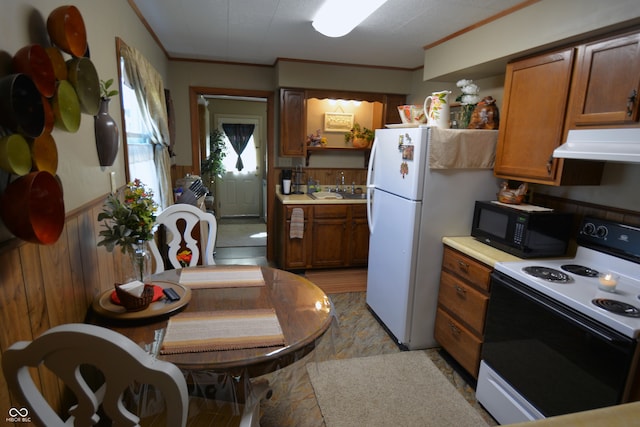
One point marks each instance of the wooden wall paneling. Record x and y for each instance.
(108, 270)
(5, 397)
(582, 209)
(34, 289)
(88, 229)
(14, 311)
(81, 302)
(103, 271)
(54, 261)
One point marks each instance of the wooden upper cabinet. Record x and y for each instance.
(391, 108)
(606, 83)
(292, 122)
(536, 91)
(293, 114)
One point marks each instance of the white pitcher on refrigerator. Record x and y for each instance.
(436, 108)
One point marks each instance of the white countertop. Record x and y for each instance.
(478, 250)
(305, 199)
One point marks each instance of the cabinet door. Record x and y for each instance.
(391, 114)
(607, 82)
(359, 250)
(296, 251)
(292, 122)
(329, 247)
(533, 113)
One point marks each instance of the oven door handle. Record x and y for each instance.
(569, 315)
(576, 318)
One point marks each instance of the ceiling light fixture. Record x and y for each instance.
(337, 18)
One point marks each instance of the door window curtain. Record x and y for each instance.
(239, 135)
(150, 94)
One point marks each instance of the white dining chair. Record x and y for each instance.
(191, 217)
(127, 387)
(67, 348)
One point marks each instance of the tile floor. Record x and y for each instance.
(358, 334)
(355, 333)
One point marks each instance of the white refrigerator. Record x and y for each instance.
(410, 209)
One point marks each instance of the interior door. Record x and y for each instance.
(239, 192)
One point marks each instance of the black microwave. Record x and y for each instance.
(521, 232)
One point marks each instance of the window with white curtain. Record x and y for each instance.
(249, 157)
(139, 146)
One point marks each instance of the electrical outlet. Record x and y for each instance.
(112, 177)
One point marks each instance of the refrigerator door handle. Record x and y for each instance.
(370, 185)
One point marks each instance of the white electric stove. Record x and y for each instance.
(557, 338)
(576, 281)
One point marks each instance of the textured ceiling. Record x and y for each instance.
(261, 31)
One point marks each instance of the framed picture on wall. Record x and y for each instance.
(338, 122)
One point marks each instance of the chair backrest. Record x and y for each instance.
(65, 349)
(192, 217)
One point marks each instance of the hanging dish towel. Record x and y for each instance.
(296, 230)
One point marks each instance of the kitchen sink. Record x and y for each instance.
(324, 195)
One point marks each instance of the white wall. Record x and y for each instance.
(23, 22)
(531, 29)
(540, 24)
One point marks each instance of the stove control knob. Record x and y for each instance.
(602, 231)
(588, 229)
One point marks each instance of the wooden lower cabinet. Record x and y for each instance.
(294, 251)
(462, 305)
(329, 236)
(335, 236)
(358, 254)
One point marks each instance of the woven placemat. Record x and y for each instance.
(222, 277)
(222, 330)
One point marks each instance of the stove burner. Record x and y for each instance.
(548, 274)
(580, 270)
(617, 307)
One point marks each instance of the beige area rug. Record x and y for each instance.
(239, 235)
(399, 389)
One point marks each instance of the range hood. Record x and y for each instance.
(614, 145)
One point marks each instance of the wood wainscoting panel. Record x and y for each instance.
(42, 286)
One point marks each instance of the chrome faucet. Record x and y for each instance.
(340, 181)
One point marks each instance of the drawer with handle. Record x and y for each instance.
(458, 342)
(463, 301)
(467, 268)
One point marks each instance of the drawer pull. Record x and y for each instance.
(463, 265)
(454, 329)
(461, 291)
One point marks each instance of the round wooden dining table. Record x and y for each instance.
(303, 311)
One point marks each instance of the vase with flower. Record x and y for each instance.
(468, 99)
(128, 222)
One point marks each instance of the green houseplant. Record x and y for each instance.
(212, 166)
(128, 221)
(360, 137)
